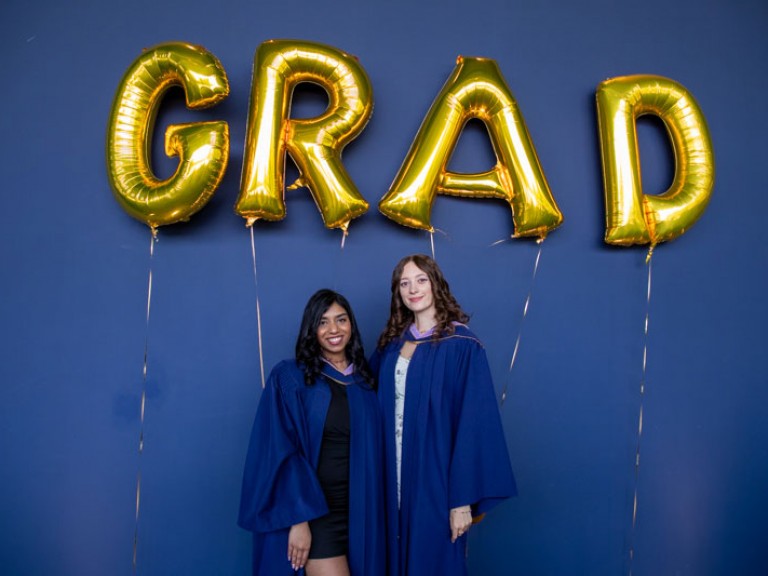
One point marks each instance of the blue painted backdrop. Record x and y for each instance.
(76, 267)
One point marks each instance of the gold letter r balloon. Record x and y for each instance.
(314, 144)
(631, 216)
(202, 147)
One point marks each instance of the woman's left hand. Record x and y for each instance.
(461, 520)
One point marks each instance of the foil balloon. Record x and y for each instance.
(476, 89)
(202, 147)
(314, 144)
(631, 216)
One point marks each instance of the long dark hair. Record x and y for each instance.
(447, 309)
(308, 352)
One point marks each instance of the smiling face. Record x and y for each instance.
(334, 333)
(416, 290)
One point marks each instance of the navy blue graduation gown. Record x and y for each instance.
(280, 486)
(453, 454)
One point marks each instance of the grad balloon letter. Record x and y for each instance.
(632, 217)
(314, 144)
(202, 147)
(476, 89)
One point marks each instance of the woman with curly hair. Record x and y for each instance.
(446, 458)
(311, 489)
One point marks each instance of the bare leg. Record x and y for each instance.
(336, 566)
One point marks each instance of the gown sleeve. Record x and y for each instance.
(280, 486)
(480, 472)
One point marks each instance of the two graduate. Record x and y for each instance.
(327, 489)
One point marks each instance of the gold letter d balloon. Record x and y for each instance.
(202, 147)
(631, 216)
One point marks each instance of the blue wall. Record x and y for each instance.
(74, 295)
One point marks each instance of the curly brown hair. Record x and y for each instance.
(447, 309)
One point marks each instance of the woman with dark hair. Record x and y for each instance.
(311, 489)
(446, 458)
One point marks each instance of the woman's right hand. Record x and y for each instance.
(299, 540)
(461, 521)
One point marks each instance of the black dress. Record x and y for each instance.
(330, 532)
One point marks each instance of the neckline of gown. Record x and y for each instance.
(335, 376)
(428, 336)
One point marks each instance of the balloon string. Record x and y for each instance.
(432, 243)
(540, 242)
(258, 310)
(143, 402)
(640, 412)
(337, 263)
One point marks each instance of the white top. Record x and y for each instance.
(401, 369)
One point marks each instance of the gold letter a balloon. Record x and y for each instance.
(202, 147)
(476, 89)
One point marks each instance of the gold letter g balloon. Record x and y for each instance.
(202, 147)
